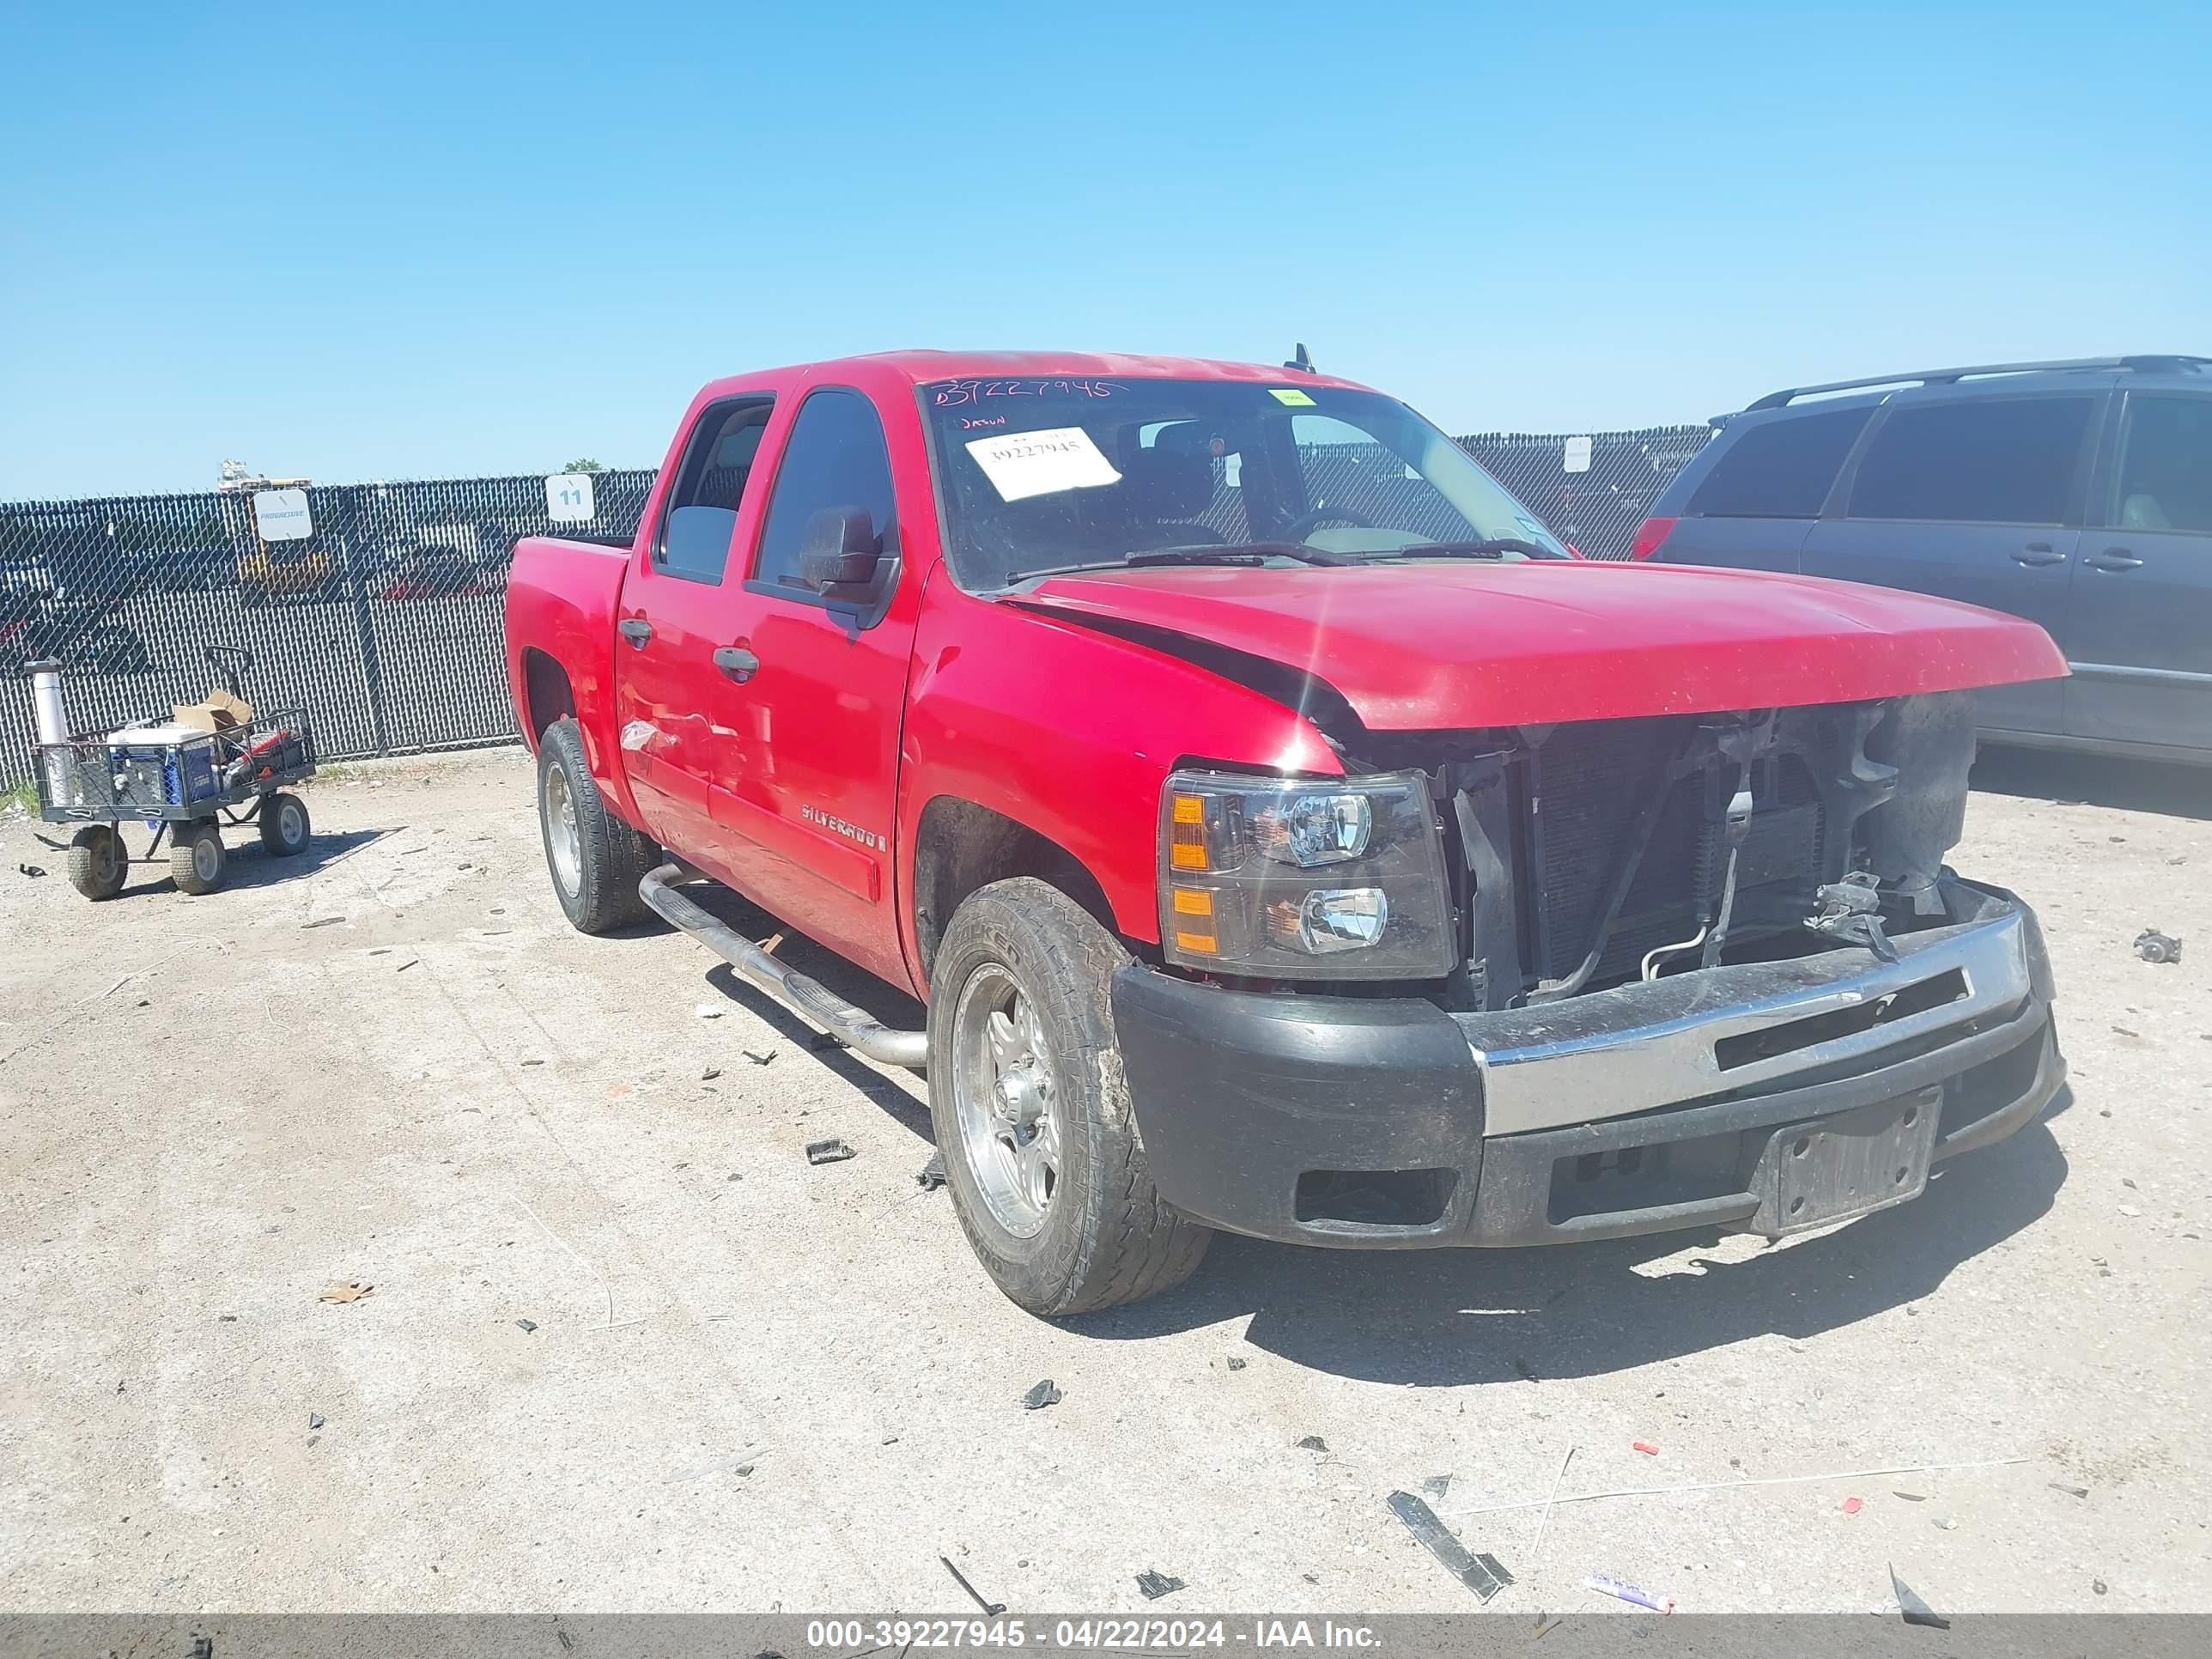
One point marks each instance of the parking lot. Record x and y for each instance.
(619, 1345)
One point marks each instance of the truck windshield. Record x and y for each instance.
(1042, 474)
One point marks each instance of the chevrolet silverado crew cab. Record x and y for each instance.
(1283, 832)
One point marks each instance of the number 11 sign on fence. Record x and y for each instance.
(568, 498)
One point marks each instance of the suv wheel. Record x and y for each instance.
(1031, 1110)
(595, 859)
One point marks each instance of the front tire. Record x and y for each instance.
(594, 857)
(1031, 1109)
(97, 863)
(284, 824)
(197, 860)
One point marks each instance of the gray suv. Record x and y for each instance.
(2077, 495)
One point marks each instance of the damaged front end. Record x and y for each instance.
(1682, 971)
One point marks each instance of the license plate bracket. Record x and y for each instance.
(1813, 1174)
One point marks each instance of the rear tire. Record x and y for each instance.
(1031, 1109)
(594, 857)
(284, 824)
(197, 858)
(97, 863)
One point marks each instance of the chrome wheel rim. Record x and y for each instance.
(207, 857)
(1005, 1095)
(563, 844)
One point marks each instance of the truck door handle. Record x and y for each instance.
(2036, 554)
(635, 629)
(737, 662)
(2113, 558)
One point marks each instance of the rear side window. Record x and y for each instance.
(835, 458)
(1993, 460)
(701, 515)
(1783, 469)
(2164, 480)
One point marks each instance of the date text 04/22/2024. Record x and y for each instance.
(1136, 1635)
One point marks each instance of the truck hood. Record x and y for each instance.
(1434, 645)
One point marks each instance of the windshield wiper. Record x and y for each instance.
(1230, 553)
(1490, 547)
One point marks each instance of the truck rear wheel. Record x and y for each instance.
(1031, 1110)
(594, 857)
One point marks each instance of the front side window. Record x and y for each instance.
(1990, 460)
(2164, 477)
(1041, 474)
(701, 514)
(1782, 470)
(835, 461)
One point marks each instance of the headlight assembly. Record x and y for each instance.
(1272, 879)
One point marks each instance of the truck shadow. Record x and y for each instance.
(1439, 1318)
(2180, 792)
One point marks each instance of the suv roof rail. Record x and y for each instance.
(2168, 364)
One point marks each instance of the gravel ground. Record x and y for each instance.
(626, 1349)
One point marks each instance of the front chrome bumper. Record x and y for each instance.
(1614, 1053)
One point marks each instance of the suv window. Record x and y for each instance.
(701, 515)
(1988, 460)
(835, 457)
(1783, 469)
(2164, 480)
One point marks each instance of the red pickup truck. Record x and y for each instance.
(1284, 832)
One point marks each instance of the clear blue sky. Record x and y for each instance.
(391, 240)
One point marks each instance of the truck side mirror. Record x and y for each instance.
(839, 552)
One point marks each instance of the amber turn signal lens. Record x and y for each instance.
(1192, 901)
(1197, 945)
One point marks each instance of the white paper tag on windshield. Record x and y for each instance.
(1020, 464)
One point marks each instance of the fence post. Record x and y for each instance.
(372, 669)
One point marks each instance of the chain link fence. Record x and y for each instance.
(383, 619)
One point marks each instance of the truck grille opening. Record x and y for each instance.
(1376, 1198)
(1588, 787)
(1750, 1046)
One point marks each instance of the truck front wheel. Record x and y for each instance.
(1031, 1110)
(594, 857)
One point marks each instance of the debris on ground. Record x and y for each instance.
(2098, 1586)
(1915, 1611)
(990, 1609)
(1236, 1362)
(314, 1420)
(1437, 1485)
(757, 1058)
(933, 1174)
(1156, 1584)
(2154, 946)
(344, 1290)
(1644, 1446)
(707, 1010)
(1621, 1590)
(2071, 1491)
(405, 965)
(1483, 1574)
(832, 1151)
(1313, 1443)
(1853, 1505)
(1546, 1623)
(710, 1074)
(321, 921)
(1911, 1497)
(31, 870)
(533, 1062)
(1041, 1396)
(525, 1326)
(1946, 1524)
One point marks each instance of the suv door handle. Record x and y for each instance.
(635, 629)
(2113, 558)
(737, 662)
(2037, 554)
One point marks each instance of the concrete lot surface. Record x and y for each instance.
(625, 1349)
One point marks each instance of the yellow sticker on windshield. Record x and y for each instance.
(1290, 395)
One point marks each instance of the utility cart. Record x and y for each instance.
(184, 783)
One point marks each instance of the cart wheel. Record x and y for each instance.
(196, 859)
(284, 824)
(97, 863)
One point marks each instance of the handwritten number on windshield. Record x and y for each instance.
(951, 394)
